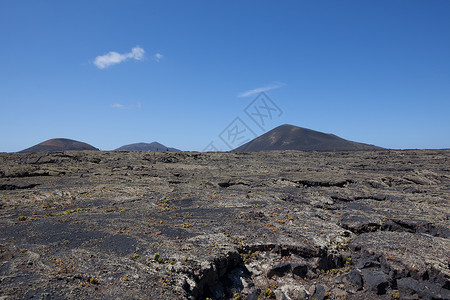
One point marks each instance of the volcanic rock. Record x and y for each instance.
(140, 225)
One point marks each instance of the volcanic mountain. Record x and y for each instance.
(155, 146)
(59, 145)
(289, 137)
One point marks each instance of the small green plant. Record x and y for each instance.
(249, 256)
(135, 256)
(237, 296)
(23, 250)
(158, 258)
(269, 293)
(93, 280)
(22, 218)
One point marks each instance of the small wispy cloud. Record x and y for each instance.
(112, 58)
(118, 105)
(266, 88)
(121, 106)
(158, 56)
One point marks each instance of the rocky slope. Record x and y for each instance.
(59, 145)
(289, 137)
(154, 146)
(266, 225)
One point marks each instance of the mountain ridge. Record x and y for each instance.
(290, 137)
(153, 146)
(59, 144)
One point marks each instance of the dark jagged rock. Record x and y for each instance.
(319, 292)
(376, 281)
(266, 225)
(5, 187)
(352, 278)
(410, 288)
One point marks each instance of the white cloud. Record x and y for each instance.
(118, 105)
(158, 56)
(272, 86)
(112, 58)
(137, 53)
(121, 106)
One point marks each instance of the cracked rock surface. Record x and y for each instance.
(267, 225)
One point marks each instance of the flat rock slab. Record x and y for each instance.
(281, 224)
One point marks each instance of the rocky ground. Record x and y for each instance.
(284, 225)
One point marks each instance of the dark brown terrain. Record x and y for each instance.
(263, 225)
(290, 137)
(59, 145)
(153, 146)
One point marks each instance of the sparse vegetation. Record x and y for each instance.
(197, 231)
(268, 292)
(93, 280)
(158, 258)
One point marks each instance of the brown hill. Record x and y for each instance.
(155, 146)
(289, 137)
(59, 145)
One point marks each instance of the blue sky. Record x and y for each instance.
(111, 73)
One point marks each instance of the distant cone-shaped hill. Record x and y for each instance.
(289, 137)
(155, 146)
(59, 145)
